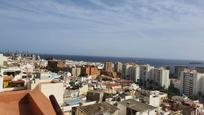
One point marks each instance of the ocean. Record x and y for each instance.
(153, 62)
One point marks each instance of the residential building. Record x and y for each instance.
(11, 71)
(176, 83)
(192, 82)
(83, 89)
(199, 69)
(97, 109)
(161, 76)
(153, 98)
(125, 72)
(90, 70)
(1, 83)
(47, 89)
(145, 72)
(95, 95)
(56, 65)
(118, 67)
(76, 71)
(108, 66)
(133, 107)
(134, 73)
(2, 60)
(179, 69)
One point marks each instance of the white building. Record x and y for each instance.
(153, 98)
(161, 76)
(176, 83)
(76, 71)
(126, 69)
(11, 71)
(83, 89)
(55, 89)
(118, 67)
(145, 72)
(156, 98)
(192, 82)
(1, 83)
(134, 73)
(2, 59)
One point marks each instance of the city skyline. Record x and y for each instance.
(126, 28)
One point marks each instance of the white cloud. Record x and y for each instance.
(128, 20)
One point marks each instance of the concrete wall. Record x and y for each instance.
(1, 83)
(1, 60)
(165, 82)
(84, 89)
(152, 112)
(154, 100)
(122, 109)
(55, 89)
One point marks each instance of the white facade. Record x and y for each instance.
(84, 89)
(164, 81)
(161, 76)
(134, 73)
(192, 82)
(55, 89)
(76, 71)
(44, 75)
(2, 59)
(145, 72)
(154, 100)
(119, 67)
(126, 69)
(14, 70)
(176, 83)
(1, 83)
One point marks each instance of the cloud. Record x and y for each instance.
(107, 15)
(94, 20)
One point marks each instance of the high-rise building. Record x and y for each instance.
(134, 73)
(199, 69)
(2, 59)
(90, 70)
(125, 72)
(192, 82)
(179, 69)
(108, 66)
(76, 71)
(56, 65)
(161, 76)
(145, 72)
(118, 67)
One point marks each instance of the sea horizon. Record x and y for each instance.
(158, 62)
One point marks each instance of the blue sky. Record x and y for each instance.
(171, 29)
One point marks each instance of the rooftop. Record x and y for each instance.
(137, 106)
(25, 102)
(97, 109)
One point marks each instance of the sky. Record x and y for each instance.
(172, 29)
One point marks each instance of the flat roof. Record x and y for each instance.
(98, 108)
(137, 106)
